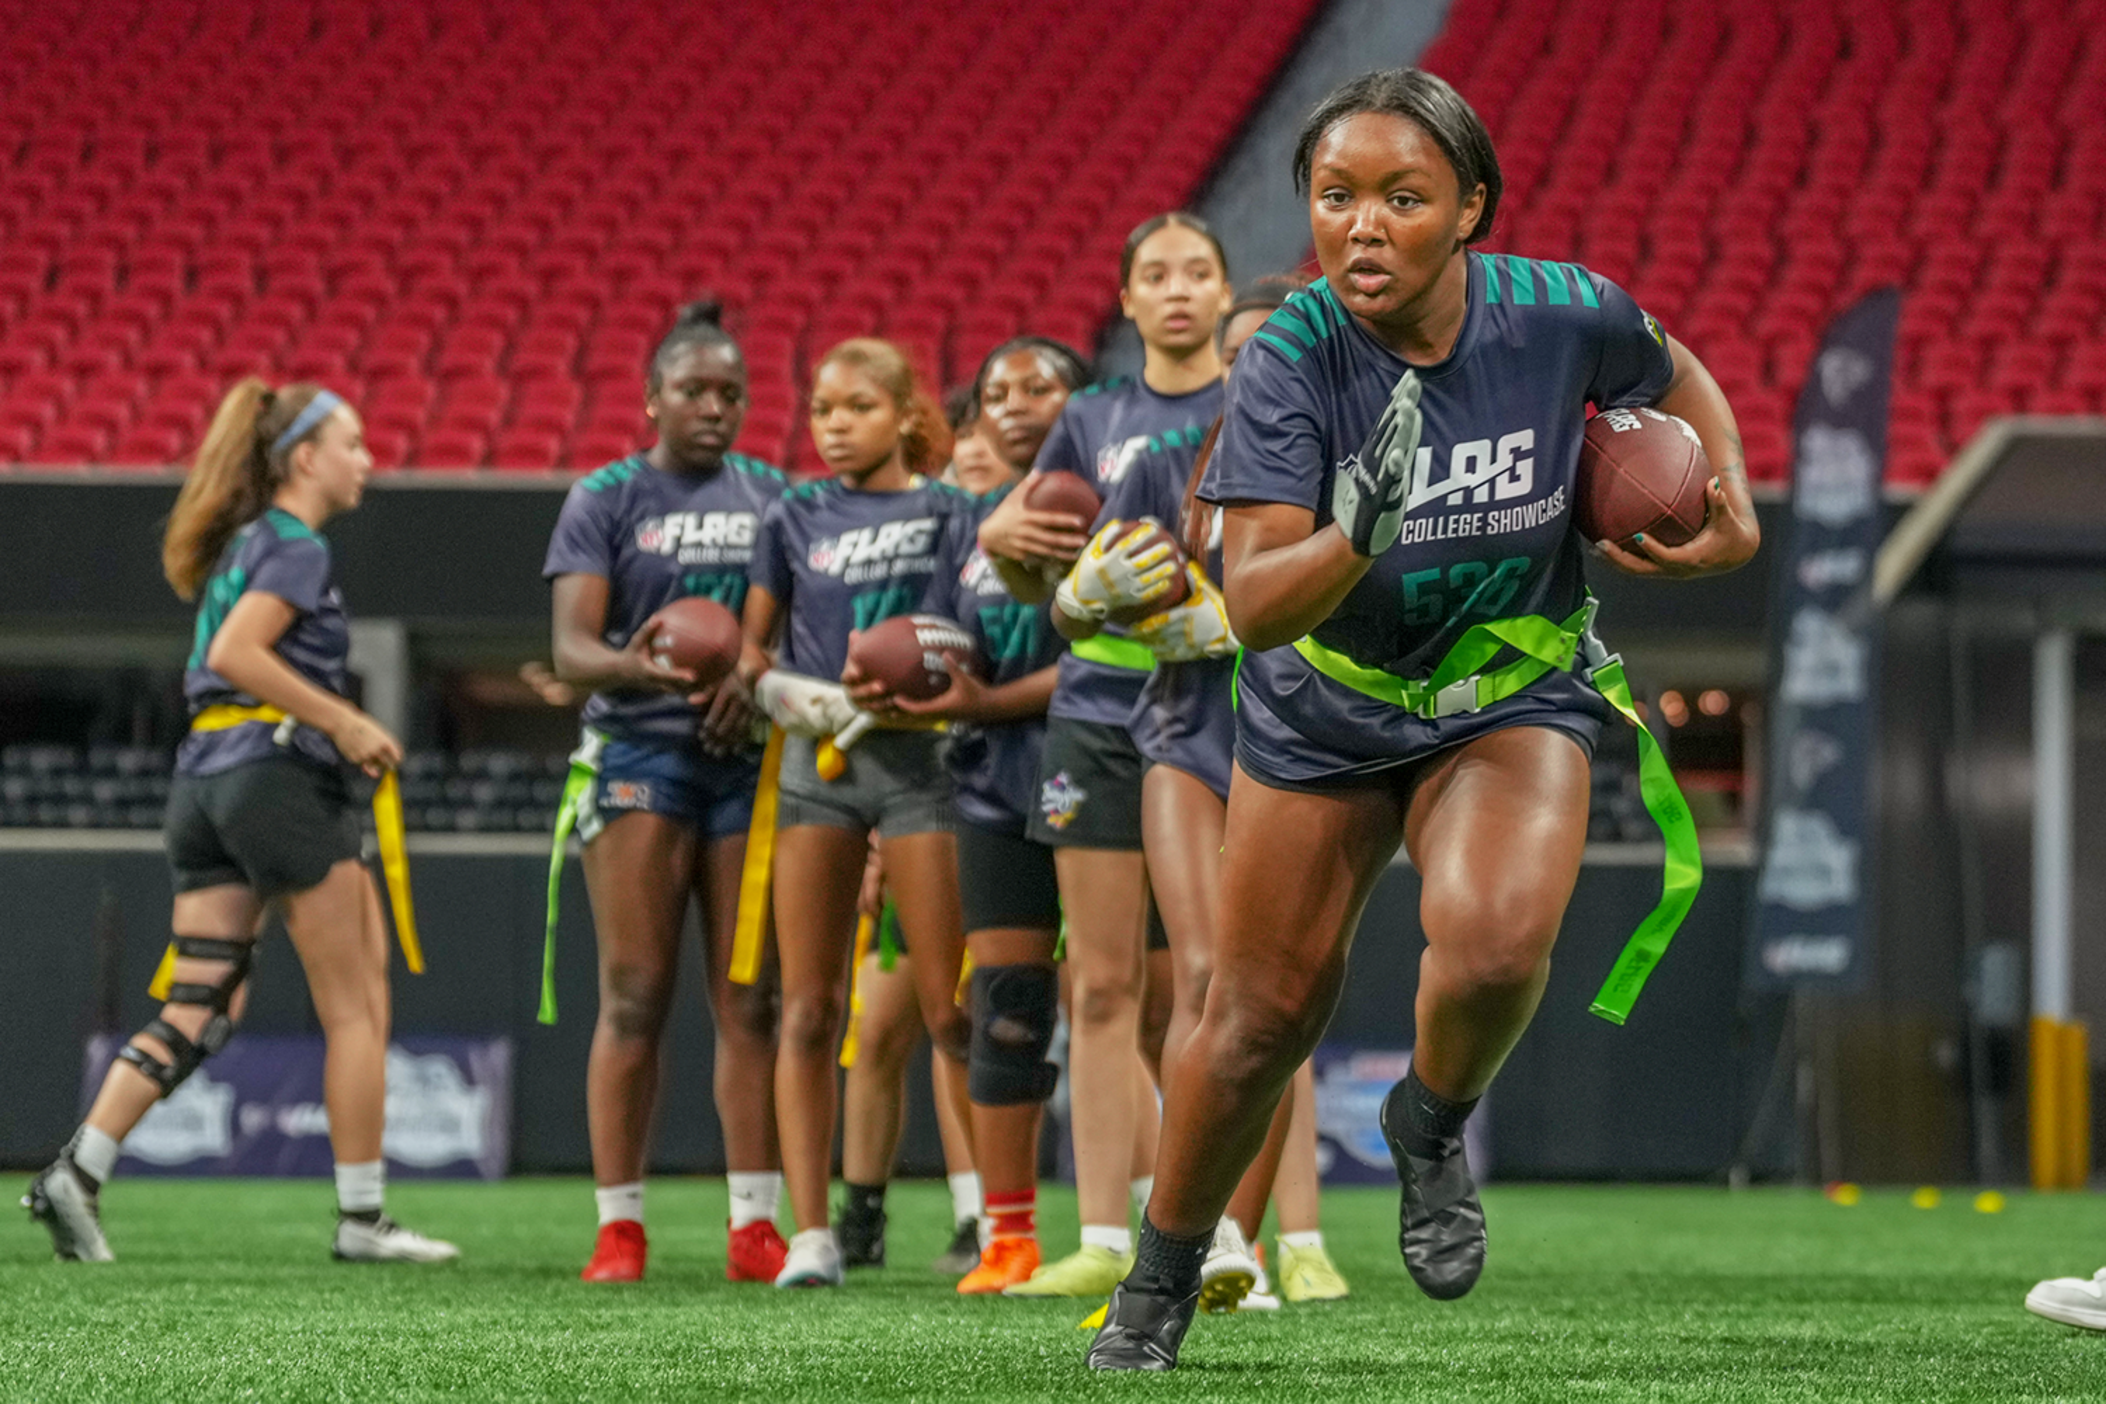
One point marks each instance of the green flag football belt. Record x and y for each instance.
(1115, 651)
(1462, 683)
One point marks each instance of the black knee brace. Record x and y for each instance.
(1014, 1008)
(184, 1054)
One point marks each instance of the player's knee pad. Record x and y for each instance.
(1014, 1009)
(185, 1053)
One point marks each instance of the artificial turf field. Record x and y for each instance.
(224, 1290)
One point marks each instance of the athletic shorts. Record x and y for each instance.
(895, 783)
(275, 826)
(1089, 787)
(713, 795)
(1006, 880)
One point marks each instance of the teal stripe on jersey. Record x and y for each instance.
(1294, 326)
(1581, 281)
(1557, 292)
(1491, 278)
(1522, 281)
(1292, 353)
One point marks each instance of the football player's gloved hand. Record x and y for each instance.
(805, 706)
(1115, 571)
(1198, 628)
(1367, 495)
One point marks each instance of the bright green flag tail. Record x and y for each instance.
(1680, 877)
(888, 935)
(574, 790)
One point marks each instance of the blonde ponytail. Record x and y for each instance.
(231, 480)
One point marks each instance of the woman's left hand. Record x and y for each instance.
(964, 700)
(1727, 542)
(727, 718)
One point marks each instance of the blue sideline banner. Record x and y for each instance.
(1813, 899)
(256, 1109)
(1350, 1085)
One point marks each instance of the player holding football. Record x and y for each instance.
(1418, 378)
(261, 814)
(663, 819)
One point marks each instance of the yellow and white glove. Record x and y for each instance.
(1115, 572)
(806, 706)
(1198, 628)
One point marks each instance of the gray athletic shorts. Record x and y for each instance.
(895, 783)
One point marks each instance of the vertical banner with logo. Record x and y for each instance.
(1813, 899)
(256, 1109)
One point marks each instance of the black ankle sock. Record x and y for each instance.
(362, 1216)
(1429, 1118)
(1168, 1266)
(866, 1201)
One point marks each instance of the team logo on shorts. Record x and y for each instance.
(1060, 800)
(626, 794)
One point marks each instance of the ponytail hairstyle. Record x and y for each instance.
(1437, 109)
(699, 323)
(1153, 224)
(1063, 360)
(237, 469)
(925, 432)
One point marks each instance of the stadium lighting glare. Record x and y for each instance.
(1712, 702)
(1674, 708)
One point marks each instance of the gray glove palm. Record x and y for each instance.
(1367, 495)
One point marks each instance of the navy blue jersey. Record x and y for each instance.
(1488, 522)
(995, 768)
(657, 537)
(277, 554)
(838, 559)
(1133, 445)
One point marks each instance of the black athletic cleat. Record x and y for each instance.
(1440, 1224)
(862, 1235)
(64, 1202)
(964, 1253)
(1142, 1330)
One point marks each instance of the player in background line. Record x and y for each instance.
(1377, 401)
(836, 556)
(664, 822)
(262, 814)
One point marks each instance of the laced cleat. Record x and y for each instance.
(861, 1234)
(1308, 1275)
(1229, 1272)
(1003, 1264)
(385, 1241)
(1089, 1271)
(1141, 1331)
(1440, 1224)
(964, 1253)
(62, 1200)
(618, 1254)
(755, 1253)
(814, 1260)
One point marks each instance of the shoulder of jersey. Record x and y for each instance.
(1111, 386)
(286, 527)
(950, 494)
(1536, 287)
(613, 475)
(768, 473)
(811, 490)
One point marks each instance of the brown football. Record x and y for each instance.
(906, 653)
(697, 634)
(1641, 471)
(1180, 587)
(1063, 492)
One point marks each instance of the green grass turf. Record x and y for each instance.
(225, 1291)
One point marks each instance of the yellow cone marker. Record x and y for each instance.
(1925, 1197)
(1989, 1202)
(1845, 1193)
(1094, 1319)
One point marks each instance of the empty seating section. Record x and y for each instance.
(1747, 170)
(475, 216)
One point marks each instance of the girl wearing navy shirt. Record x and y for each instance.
(664, 821)
(262, 813)
(1396, 465)
(834, 557)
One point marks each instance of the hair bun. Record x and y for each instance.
(703, 311)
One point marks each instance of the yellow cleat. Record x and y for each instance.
(1308, 1275)
(1089, 1271)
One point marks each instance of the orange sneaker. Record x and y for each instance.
(1004, 1262)
(756, 1253)
(618, 1256)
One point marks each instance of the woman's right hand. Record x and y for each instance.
(1042, 539)
(366, 743)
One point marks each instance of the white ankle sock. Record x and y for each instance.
(95, 1153)
(754, 1196)
(1116, 1237)
(1314, 1238)
(620, 1202)
(965, 1197)
(359, 1187)
(1141, 1186)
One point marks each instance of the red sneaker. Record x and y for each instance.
(756, 1253)
(618, 1256)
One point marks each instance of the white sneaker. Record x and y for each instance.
(61, 1200)
(385, 1241)
(1229, 1272)
(1260, 1296)
(814, 1261)
(2073, 1301)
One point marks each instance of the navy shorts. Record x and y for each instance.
(713, 795)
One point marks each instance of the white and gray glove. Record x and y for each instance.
(1115, 572)
(806, 706)
(1367, 495)
(1198, 628)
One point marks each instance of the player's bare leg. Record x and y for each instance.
(746, 1019)
(874, 1103)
